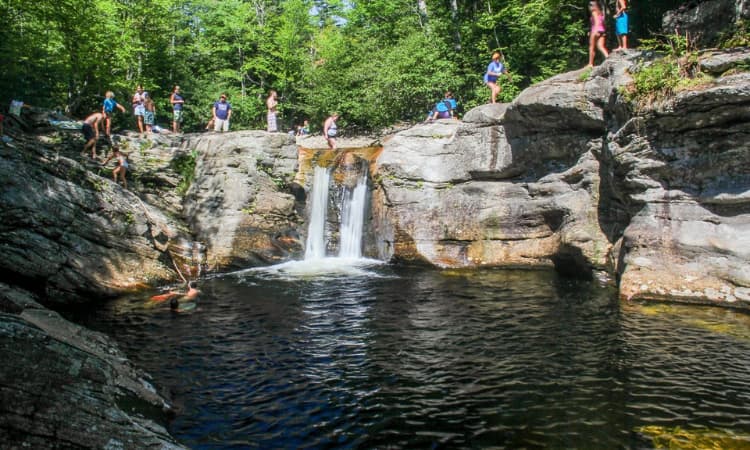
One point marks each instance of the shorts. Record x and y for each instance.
(178, 115)
(221, 124)
(88, 131)
(139, 110)
(621, 24)
(148, 117)
(444, 115)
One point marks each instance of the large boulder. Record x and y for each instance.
(570, 175)
(240, 202)
(683, 172)
(704, 22)
(514, 185)
(69, 233)
(68, 387)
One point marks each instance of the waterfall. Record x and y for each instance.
(352, 219)
(316, 243)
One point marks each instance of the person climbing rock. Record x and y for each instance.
(90, 131)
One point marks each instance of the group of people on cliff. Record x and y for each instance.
(144, 107)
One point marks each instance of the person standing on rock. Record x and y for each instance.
(90, 131)
(177, 102)
(139, 110)
(598, 33)
(149, 112)
(108, 108)
(222, 112)
(330, 130)
(271, 103)
(621, 24)
(494, 70)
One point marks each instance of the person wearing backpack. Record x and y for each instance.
(445, 108)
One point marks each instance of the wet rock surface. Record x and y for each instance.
(241, 203)
(62, 386)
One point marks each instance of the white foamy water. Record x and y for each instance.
(330, 267)
(316, 264)
(353, 219)
(315, 247)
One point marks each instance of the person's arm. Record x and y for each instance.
(171, 99)
(213, 112)
(96, 127)
(120, 107)
(229, 112)
(111, 155)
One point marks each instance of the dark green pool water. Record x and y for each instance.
(385, 357)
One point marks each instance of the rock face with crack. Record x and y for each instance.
(568, 175)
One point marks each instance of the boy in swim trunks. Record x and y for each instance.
(90, 131)
(621, 24)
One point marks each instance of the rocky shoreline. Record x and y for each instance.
(567, 176)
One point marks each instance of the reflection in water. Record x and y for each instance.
(320, 355)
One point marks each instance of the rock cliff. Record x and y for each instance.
(570, 176)
(62, 386)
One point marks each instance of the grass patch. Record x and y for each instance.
(184, 165)
(659, 80)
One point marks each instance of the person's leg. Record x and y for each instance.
(218, 124)
(122, 177)
(592, 49)
(600, 43)
(624, 44)
(114, 173)
(225, 125)
(493, 91)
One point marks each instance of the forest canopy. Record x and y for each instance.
(378, 62)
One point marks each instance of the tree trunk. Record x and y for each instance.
(456, 25)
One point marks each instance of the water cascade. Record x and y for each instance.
(352, 219)
(316, 244)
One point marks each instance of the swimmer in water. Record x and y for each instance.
(175, 297)
(188, 298)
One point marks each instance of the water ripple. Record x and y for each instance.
(378, 357)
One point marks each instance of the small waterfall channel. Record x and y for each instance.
(354, 203)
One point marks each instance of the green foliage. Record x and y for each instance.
(654, 82)
(737, 36)
(377, 61)
(662, 78)
(184, 164)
